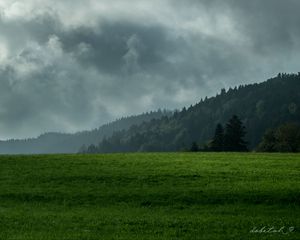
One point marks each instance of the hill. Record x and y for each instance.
(260, 106)
(70, 143)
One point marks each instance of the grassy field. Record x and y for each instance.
(149, 196)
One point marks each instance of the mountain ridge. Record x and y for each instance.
(260, 106)
(55, 142)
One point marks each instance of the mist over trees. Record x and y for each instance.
(71, 143)
(259, 107)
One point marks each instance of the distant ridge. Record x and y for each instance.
(70, 143)
(260, 106)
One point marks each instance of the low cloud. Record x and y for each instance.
(74, 65)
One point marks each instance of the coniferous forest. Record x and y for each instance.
(258, 116)
(70, 143)
(236, 119)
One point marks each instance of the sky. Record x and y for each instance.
(73, 65)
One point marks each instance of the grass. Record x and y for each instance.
(149, 196)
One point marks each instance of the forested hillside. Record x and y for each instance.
(259, 106)
(70, 143)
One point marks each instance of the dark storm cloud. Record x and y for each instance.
(63, 70)
(109, 43)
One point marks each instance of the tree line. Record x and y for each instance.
(259, 107)
(285, 138)
(70, 143)
(228, 139)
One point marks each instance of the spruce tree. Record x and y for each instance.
(234, 136)
(217, 143)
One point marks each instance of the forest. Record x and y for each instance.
(70, 143)
(259, 108)
(262, 108)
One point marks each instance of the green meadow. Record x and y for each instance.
(150, 196)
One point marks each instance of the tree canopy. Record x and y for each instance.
(285, 138)
(259, 107)
(235, 133)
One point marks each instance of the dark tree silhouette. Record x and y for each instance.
(194, 147)
(285, 138)
(217, 143)
(269, 105)
(269, 142)
(234, 136)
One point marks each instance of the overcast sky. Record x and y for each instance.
(68, 65)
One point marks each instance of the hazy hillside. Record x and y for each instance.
(70, 143)
(260, 106)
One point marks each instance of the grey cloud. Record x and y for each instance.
(110, 43)
(64, 74)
